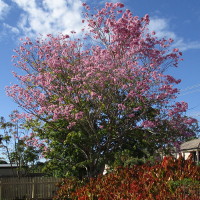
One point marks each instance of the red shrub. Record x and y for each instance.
(138, 183)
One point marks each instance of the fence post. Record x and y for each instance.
(33, 189)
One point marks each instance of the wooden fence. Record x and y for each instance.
(27, 188)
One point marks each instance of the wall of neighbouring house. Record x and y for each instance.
(5, 172)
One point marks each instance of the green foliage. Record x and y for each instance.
(14, 146)
(184, 182)
(167, 180)
(71, 152)
(135, 156)
(77, 152)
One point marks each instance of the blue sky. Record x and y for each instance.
(178, 19)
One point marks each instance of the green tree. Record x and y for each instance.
(13, 144)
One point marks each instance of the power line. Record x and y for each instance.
(191, 87)
(190, 92)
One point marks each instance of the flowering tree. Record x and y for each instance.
(13, 145)
(106, 90)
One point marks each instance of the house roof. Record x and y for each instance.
(193, 144)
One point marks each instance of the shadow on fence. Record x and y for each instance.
(27, 188)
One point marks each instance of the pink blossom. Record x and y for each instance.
(131, 115)
(123, 69)
(137, 108)
(190, 121)
(78, 115)
(120, 5)
(175, 50)
(71, 124)
(121, 107)
(148, 124)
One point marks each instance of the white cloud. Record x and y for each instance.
(183, 46)
(49, 16)
(112, 1)
(62, 16)
(162, 28)
(4, 8)
(98, 3)
(11, 28)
